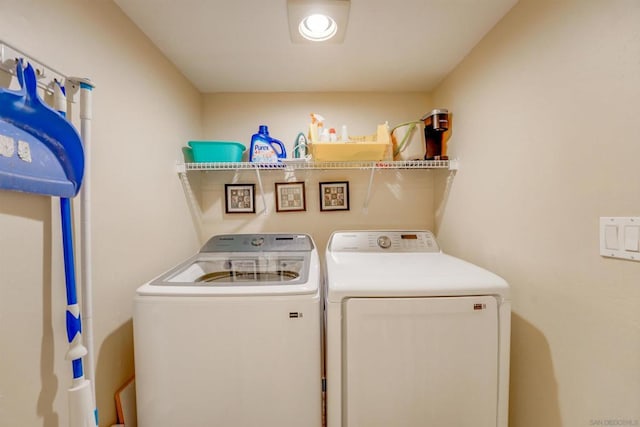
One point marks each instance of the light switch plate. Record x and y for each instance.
(619, 237)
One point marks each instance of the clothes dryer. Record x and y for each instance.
(232, 336)
(414, 337)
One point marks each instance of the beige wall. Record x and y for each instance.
(546, 129)
(144, 110)
(399, 199)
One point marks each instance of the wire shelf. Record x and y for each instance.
(305, 165)
(300, 164)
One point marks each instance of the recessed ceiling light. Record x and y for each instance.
(317, 20)
(318, 27)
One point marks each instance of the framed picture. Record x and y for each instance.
(334, 196)
(240, 198)
(290, 197)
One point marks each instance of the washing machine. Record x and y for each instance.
(232, 336)
(414, 337)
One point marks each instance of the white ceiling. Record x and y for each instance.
(244, 45)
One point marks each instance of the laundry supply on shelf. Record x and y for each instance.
(265, 149)
(374, 147)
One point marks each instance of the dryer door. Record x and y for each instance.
(413, 362)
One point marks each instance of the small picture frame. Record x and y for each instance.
(334, 196)
(240, 198)
(290, 197)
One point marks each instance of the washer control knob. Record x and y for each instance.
(258, 241)
(384, 242)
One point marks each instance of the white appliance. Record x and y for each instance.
(232, 336)
(414, 337)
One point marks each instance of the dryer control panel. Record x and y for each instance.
(383, 241)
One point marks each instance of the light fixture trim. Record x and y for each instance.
(318, 27)
(336, 10)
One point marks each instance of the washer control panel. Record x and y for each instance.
(259, 243)
(383, 241)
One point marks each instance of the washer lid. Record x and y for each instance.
(376, 272)
(244, 264)
(239, 269)
(222, 273)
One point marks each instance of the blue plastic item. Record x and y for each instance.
(74, 324)
(265, 149)
(40, 151)
(216, 151)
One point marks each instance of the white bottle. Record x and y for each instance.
(344, 135)
(333, 137)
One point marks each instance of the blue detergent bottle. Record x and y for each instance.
(265, 149)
